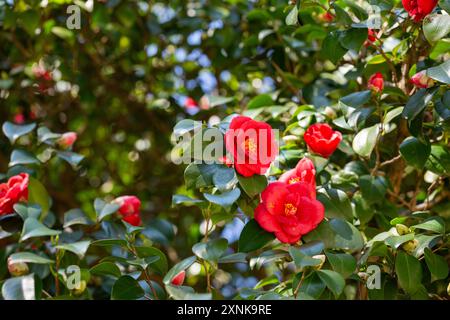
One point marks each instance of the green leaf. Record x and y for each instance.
(397, 241)
(126, 288)
(336, 202)
(109, 242)
(415, 152)
(445, 4)
(253, 237)
(104, 209)
(262, 100)
(357, 99)
(302, 260)
(22, 157)
(333, 280)
(161, 265)
(187, 201)
(37, 193)
(143, 263)
(211, 250)
(13, 131)
(106, 269)
(342, 263)
(75, 217)
(79, 248)
(253, 185)
(185, 126)
(417, 103)
(238, 257)
(199, 175)
(364, 142)
(33, 228)
(436, 26)
(292, 17)
(72, 158)
(21, 288)
(28, 257)
(332, 48)
(434, 224)
(353, 38)
(438, 265)
(224, 178)
(439, 160)
(27, 211)
(409, 272)
(225, 199)
(312, 248)
(312, 285)
(373, 189)
(176, 269)
(186, 293)
(441, 72)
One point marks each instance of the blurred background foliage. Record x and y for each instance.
(136, 68)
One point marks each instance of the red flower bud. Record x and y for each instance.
(19, 118)
(326, 17)
(67, 139)
(372, 35)
(178, 279)
(303, 172)
(129, 209)
(15, 190)
(251, 144)
(421, 80)
(418, 9)
(128, 205)
(289, 211)
(376, 82)
(322, 139)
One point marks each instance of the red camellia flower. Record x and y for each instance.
(251, 144)
(67, 139)
(179, 279)
(288, 210)
(419, 9)
(304, 171)
(322, 139)
(421, 80)
(376, 82)
(129, 209)
(13, 191)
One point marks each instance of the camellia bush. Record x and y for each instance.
(315, 150)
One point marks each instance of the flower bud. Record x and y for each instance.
(179, 278)
(330, 113)
(376, 82)
(67, 140)
(410, 245)
(81, 288)
(421, 80)
(18, 268)
(402, 229)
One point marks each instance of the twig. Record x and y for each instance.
(385, 163)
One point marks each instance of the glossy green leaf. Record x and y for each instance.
(126, 288)
(253, 237)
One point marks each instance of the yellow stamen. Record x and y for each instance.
(290, 209)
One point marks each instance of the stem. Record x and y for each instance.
(208, 276)
(299, 284)
(149, 281)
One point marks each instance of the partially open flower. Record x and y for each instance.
(322, 139)
(129, 209)
(421, 80)
(326, 16)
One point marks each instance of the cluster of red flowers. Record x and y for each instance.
(288, 207)
(129, 209)
(13, 191)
